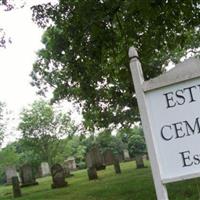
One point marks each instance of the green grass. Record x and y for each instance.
(132, 184)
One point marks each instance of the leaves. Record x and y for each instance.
(42, 128)
(85, 55)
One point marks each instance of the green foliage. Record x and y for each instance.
(136, 142)
(86, 43)
(71, 146)
(27, 154)
(133, 139)
(106, 141)
(8, 157)
(42, 128)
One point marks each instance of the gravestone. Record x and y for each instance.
(45, 171)
(70, 163)
(139, 161)
(10, 172)
(66, 169)
(27, 177)
(58, 176)
(16, 187)
(108, 157)
(120, 157)
(92, 173)
(126, 155)
(94, 158)
(117, 166)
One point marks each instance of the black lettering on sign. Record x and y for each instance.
(170, 100)
(190, 129)
(185, 155)
(165, 133)
(190, 92)
(181, 96)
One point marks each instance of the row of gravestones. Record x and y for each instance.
(28, 179)
(96, 161)
(93, 159)
(43, 171)
(24, 172)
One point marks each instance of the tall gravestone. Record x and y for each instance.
(58, 176)
(27, 177)
(117, 166)
(94, 158)
(66, 169)
(10, 172)
(126, 155)
(108, 157)
(16, 187)
(45, 170)
(139, 161)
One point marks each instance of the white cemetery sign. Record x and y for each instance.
(170, 112)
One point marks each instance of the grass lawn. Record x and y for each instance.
(132, 184)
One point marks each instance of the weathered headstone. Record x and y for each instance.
(66, 169)
(120, 157)
(108, 157)
(117, 166)
(58, 176)
(94, 158)
(27, 177)
(70, 163)
(139, 161)
(126, 155)
(45, 171)
(92, 173)
(10, 172)
(16, 187)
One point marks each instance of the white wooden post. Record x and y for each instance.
(138, 80)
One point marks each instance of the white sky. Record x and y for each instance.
(17, 59)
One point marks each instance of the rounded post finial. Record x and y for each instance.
(132, 53)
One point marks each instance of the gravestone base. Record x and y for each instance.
(29, 184)
(59, 185)
(92, 173)
(100, 167)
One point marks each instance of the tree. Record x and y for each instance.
(137, 146)
(85, 51)
(8, 157)
(106, 141)
(42, 129)
(72, 146)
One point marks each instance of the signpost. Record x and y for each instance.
(170, 112)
